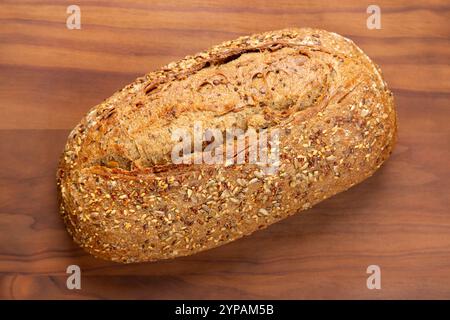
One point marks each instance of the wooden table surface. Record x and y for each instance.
(399, 219)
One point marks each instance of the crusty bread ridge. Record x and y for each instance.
(122, 198)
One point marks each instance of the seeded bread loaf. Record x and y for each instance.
(123, 199)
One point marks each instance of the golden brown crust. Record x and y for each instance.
(123, 200)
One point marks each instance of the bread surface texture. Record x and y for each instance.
(122, 197)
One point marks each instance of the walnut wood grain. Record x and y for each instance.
(398, 219)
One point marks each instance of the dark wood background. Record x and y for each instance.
(399, 219)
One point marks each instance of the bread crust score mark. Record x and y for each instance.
(121, 197)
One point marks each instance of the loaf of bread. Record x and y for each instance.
(125, 199)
